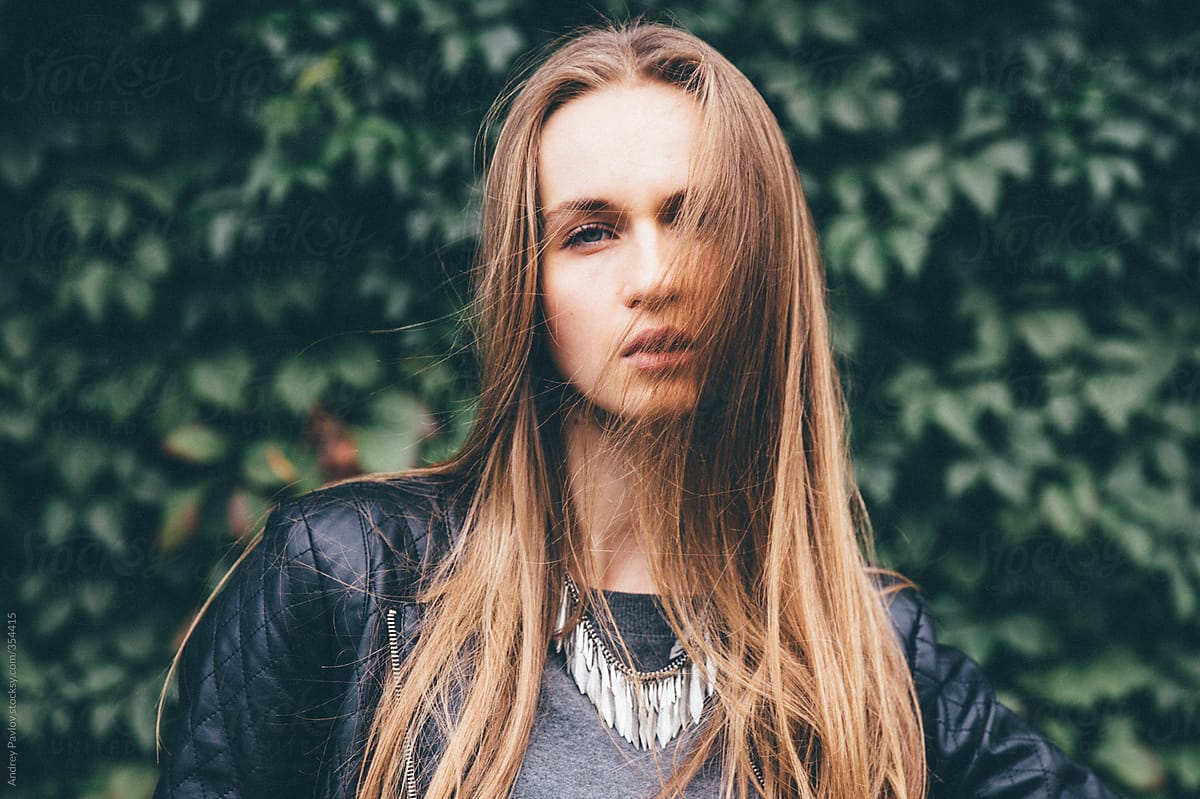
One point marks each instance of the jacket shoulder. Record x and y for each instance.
(911, 618)
(350, 531)
(975, 746)
(279, 661)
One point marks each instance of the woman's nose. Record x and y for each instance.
(649, 278)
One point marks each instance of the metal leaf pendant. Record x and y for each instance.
(644, 708)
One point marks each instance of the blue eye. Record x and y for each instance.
(586, 235)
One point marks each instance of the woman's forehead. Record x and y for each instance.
(623, 145)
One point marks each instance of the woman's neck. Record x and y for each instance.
(600, 482)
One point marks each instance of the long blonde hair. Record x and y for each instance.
(752, 523)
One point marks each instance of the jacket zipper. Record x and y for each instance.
(410, 769)
(758, 775)
(757, 769)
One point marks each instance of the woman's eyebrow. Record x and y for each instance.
(669, 206)
(571, 208)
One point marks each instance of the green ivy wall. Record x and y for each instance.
(235, 240)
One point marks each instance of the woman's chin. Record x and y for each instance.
(660, 404)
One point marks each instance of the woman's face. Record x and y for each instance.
(612, 170)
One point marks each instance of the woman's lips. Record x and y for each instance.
(659, 349)
(649, 361)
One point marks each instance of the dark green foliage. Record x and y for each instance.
(236, 240)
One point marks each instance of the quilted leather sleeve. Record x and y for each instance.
(260, 677)
(975, 746)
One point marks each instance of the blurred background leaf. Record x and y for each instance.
(237, 239)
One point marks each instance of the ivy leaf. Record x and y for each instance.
(953, 415)
(1104, 172)
(105, 521)
(1184, 765)
(266, 466)
(139, 715)
(135, 294)
(980, 182)
(19, 163)
(1113, 676)
(834, 23)
(1128, 758)
(1117, 396)
(180, 515)
(222, 380)
(1057, 507)
(1007, 480)
(1028, 635)
(401, 422)
(455, 50)
(244, 513)
(500, 45)
(356, 363)
(909, 248)
(58, 521)
(151, 257)
(1171, 459)
(299, 385)
(92, 287)
(847, 110)
(116, 217)
(1127, 133)
(961, 476)
(868, 264)
(134, 782)
(18, 334)
(80, 461)
(104, 715)
(96, 597)
(323, 70)
(1009, 157)
(195, 443)
(222, 233)
(190, 12)
(1051, 334)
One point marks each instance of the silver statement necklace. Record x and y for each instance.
(642, 706)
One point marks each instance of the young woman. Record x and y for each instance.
(647, 572)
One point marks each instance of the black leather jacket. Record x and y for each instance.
(279, 679)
